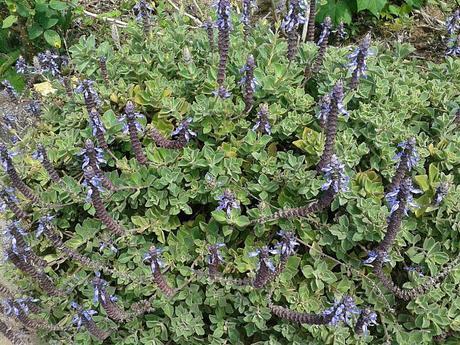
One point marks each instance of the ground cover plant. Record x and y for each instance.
(225, 184)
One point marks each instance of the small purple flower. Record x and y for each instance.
(44, 222)
(99, 156)
(10, 309)
(82, 315)
(294, 17)
(34, 108)
(9, 88)
(343, 311)
(86, 87)
(394, 202)
(416, 269)
(453, 23)
(38, 155)
(327, 25)
(263, 255)
(372, 255)
(131, 115)
(154, 256)
(103, 245)
(335, 176)
(440, 193)
(453, 48)
(413, 155)
(95, 122)
(222, 92)
(357, 59)
(324, 108)
(143, 9)
(215, 258)
(183, 129)
(248, 5)
(367, 318)
(263, 123)
(228, 202)
(94, 181)
(6, 156)
(223, 14)
(286, 246)
(21, 66)
(50, 62)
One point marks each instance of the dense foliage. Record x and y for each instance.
(203, 206)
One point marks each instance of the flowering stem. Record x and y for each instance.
(47, 164)
(311, 21)
(19, 214)
(331, 127)
(93, 163)
(95, 119)
(223, 40)
(11, 334)
(161, 141)
(324, 201)
(16, 181)
(68, 86)
(322, 48)
(102, 213)
(103, 69)
(42, 279)
(249, 84)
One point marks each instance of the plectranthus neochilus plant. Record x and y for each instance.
(107, 301)
(134, 128)
(336, 181)
(322, 44)
(144, 12)
(93, 183)
(16, 181)
(8, 199)
(180, 136)
(263, 122)
(336, 107)
(153, 256)
(85, 318)
(41, 155)
(224, 26)
(357, 64)
(290, 24)
(248, 82)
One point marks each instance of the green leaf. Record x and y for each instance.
(58, 5)
(338, 10)
(9, 21)
(35, 31)
(373, 6)
(53, 39)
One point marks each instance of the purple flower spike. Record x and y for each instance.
(413, 156)
(183, 130)
(324, 109)
(49, 63)
(453, 23)
(335, 176)
(393, 197)
(343, 311)
(366, 318)
(263, 123)
(44, 222)
(228, 202)
(21, 66)
(440, 193)
(287, 245)
(357, 64)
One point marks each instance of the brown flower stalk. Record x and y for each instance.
(42, 156)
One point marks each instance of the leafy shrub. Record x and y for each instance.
(224, 184)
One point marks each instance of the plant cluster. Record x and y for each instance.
(157, 199)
